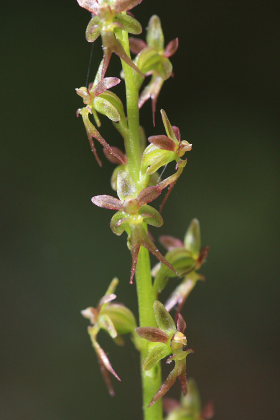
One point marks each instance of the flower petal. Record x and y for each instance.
(192, 238)
(171, 47)
(163, 318)
(148, 194)
(169, 242)
(155, 355)
(129, 24)
(137, 45)
(155, 37)
(107, 202)
(153, 334)
(165, 387)
(118, 158)
(90, 5)
(163, 142)
(181, 323)
(168, 127)
(106, 299)
(105, 84)
(124, 5)
(151, 216)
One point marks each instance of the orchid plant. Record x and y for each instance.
(137, 183)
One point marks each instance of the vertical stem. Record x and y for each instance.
(132, 142)
(151, 380)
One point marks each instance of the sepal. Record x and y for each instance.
(115, 102)
(105, 364)
(156, 353)
(192, 240)
(179, 371)
(155, 158)
(155, 37)
(165, 149)
(172, 47)
(152, 334)
(125, 5)
(151, 216)
(119, 223)
(163, 318)
(129, 24)
(122, 318)
(105, 107)
(93, 29)
(147, 60)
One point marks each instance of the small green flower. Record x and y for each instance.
(187, 257)
(166, 340)
(115, 319)
(153, 59)
(164, 148)
(108, 18)
(131, 216)
(98, 99)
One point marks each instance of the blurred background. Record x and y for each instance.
(58, 253)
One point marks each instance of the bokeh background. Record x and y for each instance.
(58, 253)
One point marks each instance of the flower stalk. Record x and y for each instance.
(137, 183)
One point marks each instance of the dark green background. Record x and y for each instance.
(58, 252)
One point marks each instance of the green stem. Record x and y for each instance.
(151, 380)
(132, 141)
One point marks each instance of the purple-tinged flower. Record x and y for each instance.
(130, 218)
(164, 148)
(118, 6)
(98, 99)
(153, 59)
(171, 341)
(187, 257)
(115, 319)
(108, 17)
